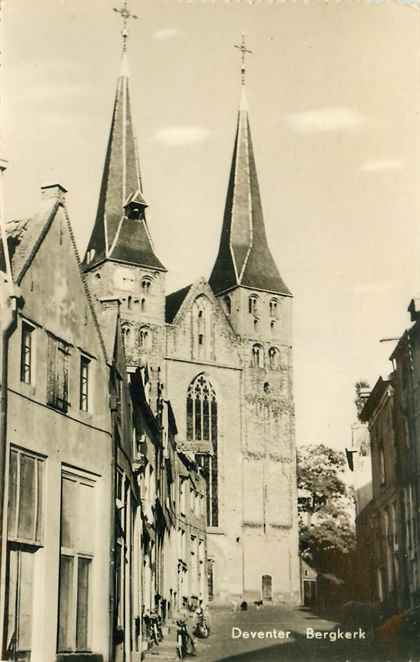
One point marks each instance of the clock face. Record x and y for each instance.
(124, 279)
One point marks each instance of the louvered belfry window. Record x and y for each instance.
(202, 427)
(58, 373)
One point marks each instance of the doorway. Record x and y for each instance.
(267, 587)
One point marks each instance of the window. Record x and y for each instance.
(144, 338)
(126, 333)
(202, 327)
(84, 383)
(24, 533)
(76, 560)
(228, 304)
(382, 464)
(145, 285)
(143, 305)
(129, 302)
(273, 308)
(26, 353)
(202, 426)
(252, 304)
(25, 512)
(274, 358)
(257, 357)
(58, 373)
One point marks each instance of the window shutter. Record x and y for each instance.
(51, 370)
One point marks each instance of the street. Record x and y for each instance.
(279, 645)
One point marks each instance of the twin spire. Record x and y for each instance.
(244, 257)
(121, 233)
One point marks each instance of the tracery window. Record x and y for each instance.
(202, 426)
(257, 356)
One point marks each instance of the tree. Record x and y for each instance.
(325, 503)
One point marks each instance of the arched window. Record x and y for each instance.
(126, 335)
(144, 338)
(228, 304)
(202, 427)
(274, 308)
(274, 358)
(143, 305)
(145, 285)
(257, 356)
(253, 304)
(273, 327)
(129, 302)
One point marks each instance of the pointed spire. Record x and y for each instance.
(244, 256)
(120, 231)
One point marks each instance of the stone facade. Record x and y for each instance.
(221, 352)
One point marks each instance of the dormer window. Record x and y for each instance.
(90, 255)
(135, 206)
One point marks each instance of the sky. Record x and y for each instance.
(334, 96)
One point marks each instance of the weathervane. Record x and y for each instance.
(244, 52)
(125, 15)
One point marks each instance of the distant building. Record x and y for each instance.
(379, 524)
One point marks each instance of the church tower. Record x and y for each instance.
(246, 280)
(120, 261)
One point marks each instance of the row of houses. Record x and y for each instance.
(386, 445)
(103, 518)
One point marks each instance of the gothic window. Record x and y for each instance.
(274, 308)
(257, 357)
(202, 426)
(274, 358)
(228, 304)
(144, 338)
(253, 304)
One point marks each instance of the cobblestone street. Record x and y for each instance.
(222, 646)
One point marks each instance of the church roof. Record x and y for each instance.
(244, 256)
(174, 302)
(115, 236)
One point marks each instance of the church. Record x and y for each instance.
(222, 351)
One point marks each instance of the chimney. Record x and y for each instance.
(54, 192)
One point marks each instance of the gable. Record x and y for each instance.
(52, 285)
(200, 330)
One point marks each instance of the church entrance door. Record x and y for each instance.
(267, 588)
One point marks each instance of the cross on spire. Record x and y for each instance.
(244, 52)
(125, 16)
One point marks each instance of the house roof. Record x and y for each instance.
(244, 257)
(174, 302)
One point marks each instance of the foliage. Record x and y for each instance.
(326, 516)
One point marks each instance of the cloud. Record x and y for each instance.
(325, 119)
(182, 135)
(381, 165)
(166, 33)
